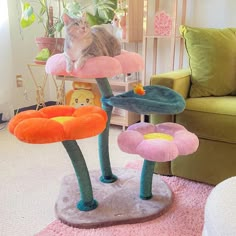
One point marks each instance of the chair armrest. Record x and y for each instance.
(178, 80)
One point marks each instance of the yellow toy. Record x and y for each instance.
(83, 94)
(138, 89)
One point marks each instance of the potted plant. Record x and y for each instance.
(43, 12)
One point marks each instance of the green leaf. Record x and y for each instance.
(59, 25)
(74, 9)
(28, 16)
(42, 11)
(43, 55)
(93, 20)
(105, 9)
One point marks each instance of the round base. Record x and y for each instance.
(118, 202)
(82, 206)
(108, 180)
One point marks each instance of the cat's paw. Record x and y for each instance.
(69, 69)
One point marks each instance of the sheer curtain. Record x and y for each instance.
(6, 75)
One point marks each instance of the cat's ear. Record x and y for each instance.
(66, 19)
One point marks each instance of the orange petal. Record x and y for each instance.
(24, 115)
(39, 130)
(57, 110)
(87, 110)
(84, 126)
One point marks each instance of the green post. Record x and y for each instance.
(146, 180)
(103, 138)
(87, 202)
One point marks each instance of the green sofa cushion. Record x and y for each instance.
(212, 60)
(211, 118)
(212, 163)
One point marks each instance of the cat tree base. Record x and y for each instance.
(118, 202)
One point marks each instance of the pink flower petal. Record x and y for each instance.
(186, 142)
(168, 128)
(97, 67)
(128, 141)
(160, 150)
(157, 150)
(142, 127)
(130, 62)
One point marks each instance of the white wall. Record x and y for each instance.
(211, 13)
(201, 13)
(6, 59)
(23, 52)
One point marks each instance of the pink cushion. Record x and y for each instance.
(130, 62)
(97, 67)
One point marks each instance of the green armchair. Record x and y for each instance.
(213, 120)
(209, 87)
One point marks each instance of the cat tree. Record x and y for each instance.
(101, 198)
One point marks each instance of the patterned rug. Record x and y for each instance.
(184, 218)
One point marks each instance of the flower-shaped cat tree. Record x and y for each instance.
(101, 68)
(117, 195)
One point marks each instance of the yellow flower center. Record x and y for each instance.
(62, 119)
(158, 136)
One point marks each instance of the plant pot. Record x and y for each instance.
(54, 45)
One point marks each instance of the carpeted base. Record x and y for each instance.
(184, 218)
(118, 202)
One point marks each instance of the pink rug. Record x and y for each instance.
(184, 218)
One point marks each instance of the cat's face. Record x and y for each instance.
(76, 26)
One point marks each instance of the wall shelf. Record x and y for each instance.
(176, 14)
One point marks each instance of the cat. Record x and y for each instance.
(83, 42)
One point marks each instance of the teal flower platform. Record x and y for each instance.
(157, 99)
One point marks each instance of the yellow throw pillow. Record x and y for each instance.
(212, 60)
